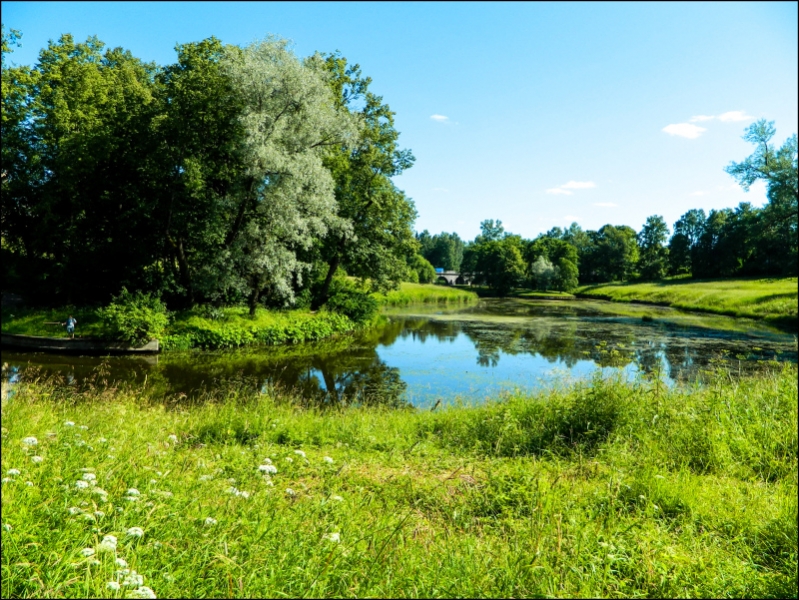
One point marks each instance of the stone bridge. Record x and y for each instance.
(454, 278)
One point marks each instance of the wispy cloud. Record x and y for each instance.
(606, 204)
(685, 130)
(735, 115)
(439, 118)
(566, 188)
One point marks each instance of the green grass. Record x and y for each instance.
(598, 489)
(201, 327)
(417, 293)
(773, 300)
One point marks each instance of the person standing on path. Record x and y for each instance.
(70, 324)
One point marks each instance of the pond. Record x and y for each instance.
(422, 355)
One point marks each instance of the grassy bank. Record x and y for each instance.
(205, 328)
(417, 293)
(605, 488)
(773, 300)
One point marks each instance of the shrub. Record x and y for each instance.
(346, 299)
(134, 318)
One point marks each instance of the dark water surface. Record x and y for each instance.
(421, 355)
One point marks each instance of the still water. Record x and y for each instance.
(421, 355)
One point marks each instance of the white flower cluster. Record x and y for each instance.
(109, 544)
(135, 532)
(268, 469)
(236, 492)
(30, 441)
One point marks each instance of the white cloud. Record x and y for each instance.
(439, 118)
(685, 130)
(578, 185)
(701, 118)
(571, 185)
(606, 204)
(735, 115)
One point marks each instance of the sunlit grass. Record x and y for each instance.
(602, 488)
(417, 293)
(770, 299)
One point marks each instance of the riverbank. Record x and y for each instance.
(601, 488)
(418, 293)
(772, 300)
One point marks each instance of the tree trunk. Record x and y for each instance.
(256, 293)
(325, 291)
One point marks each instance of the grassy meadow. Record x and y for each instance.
(419, 293)
(773, 300)
(599, 488)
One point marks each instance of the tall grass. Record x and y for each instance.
(416, 293)
(600, 488)
(773, 300)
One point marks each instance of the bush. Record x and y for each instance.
(134, 318)
(346, 299)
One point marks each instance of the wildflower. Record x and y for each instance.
(109, 544)
(173, 438)
(337, 498)
(143, 592)
(99, 514)
(7, 479)
(152, 481)
(89, 476)
(81, 485)
(244, 494)
(231, 480)
(133, 579)
(113, 586)
(328, 460)
(95, 563)
(267, 461)
(206, 477)
(102, 440)
(299, 453)
(269, 483)
(83, 427)
(29, 483)
(99, 491)
(122, 572)
(7, 527)
(290, 492)
(135, 532)
(132, 498)
(159, 473)
(289, 459)
(268, 468)
(121, 562)
(133, 492)
(74, 510)
(12, 472)
(87, 552)
(333, 537)
(30, 441)
(210, 521)
(88, 517)
(37, 459)
(69, 423)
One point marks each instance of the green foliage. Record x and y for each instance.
(444, 250)
(653, 261)
(497, 263)
(134, 318)
(413, 293)
(597, 489)
(562, 255)
(422, 269)
(349, 300)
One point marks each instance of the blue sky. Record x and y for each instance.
(538, 114)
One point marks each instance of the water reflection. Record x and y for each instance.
(418, 357)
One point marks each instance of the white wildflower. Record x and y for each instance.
(267, 461)
(133, 579)
(290, 492)
(89, 476)
(84, 427)
(95, 563)
(7, 479)
(99, 514)
(289, 459)
(337, 498)
(99, 491)
(113, 586)
(268, 468)
(299, 453)
(135, 532)
(121, 562)
(109, 544)
(210, 521)
(133, 492)
(206, 477)
(87, 552)
(132, 498)
(159, 473)
(152, 481)
(74, 510)
(102, 440)
(69, 423)
(37, 459)
(173, 438)
(269, 483)
(244, 494)
(143, 592)
(122, 572)
(29, 483)
(81, 485)
(328, 460)
(231, 480)
(88, 517)
(30, 441)
(12, 472)
(333, 537)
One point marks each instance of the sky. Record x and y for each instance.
(537, 114)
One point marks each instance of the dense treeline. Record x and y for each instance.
(745, 241)
(236, 174)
